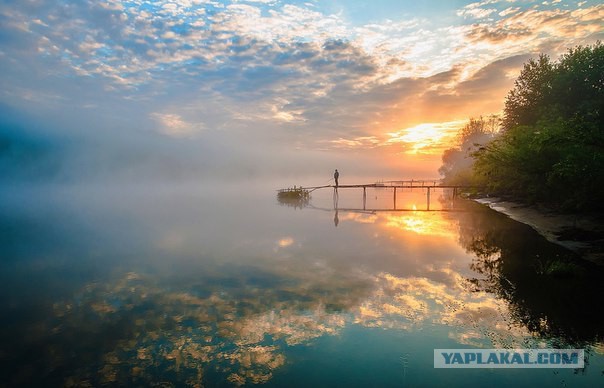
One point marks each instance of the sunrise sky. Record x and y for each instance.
(196, 88)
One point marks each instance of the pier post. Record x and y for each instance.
(428, 195)
(364, 197)
(395, 198)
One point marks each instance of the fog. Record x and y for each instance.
(38, 151)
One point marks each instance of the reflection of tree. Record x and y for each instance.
(550, 291)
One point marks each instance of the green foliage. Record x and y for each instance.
(552, 146)
(523, 103)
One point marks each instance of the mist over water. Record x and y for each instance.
(142, 242)
(225, 285)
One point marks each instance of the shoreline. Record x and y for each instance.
(581, 234)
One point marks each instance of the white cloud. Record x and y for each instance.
(361, 142)
(476, 13)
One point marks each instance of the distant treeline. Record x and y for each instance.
(549, 145)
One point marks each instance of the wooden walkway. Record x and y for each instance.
(405, 184)
(427, 184)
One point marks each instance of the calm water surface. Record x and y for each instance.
(227, 287)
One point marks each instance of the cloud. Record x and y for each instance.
(497, 35)
(267, 72)
(174, 125)
(427, 137)
(358, 142)
(531, 26)
(476, 13)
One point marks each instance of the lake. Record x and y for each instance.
(227, 286)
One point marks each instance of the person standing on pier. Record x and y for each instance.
(336, 175)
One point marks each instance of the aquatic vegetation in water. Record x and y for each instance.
(294, 193)
(557, 267)
(296, 197)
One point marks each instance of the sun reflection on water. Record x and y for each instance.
(422, 223)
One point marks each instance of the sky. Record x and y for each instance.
(243, 89)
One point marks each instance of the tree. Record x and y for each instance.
(531, 89)
(458, 161)
(578, 85)
(551, 148)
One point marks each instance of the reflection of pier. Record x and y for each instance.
(394, 185)
(367, 210)
(374, 211)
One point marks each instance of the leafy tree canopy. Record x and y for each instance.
(551, 147)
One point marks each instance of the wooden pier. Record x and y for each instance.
(428, 184)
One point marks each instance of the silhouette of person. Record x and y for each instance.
(336, 175)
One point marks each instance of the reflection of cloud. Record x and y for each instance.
(243, 332)
(249, 358)
(185, 332)
(287, 324)
(406, 306)
(598, 347)
(476, 319)
(362, 218)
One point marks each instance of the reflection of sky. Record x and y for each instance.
(247, 335)
(194, 288)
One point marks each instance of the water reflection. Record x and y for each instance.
(240, 333)
(550, 291)
(181, 332)
(219, 291)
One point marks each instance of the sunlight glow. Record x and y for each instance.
(422, 223)
(285, 242)
(428, 138)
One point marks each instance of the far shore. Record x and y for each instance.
(583, 234)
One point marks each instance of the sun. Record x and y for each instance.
(430, 138)
(423, 133)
